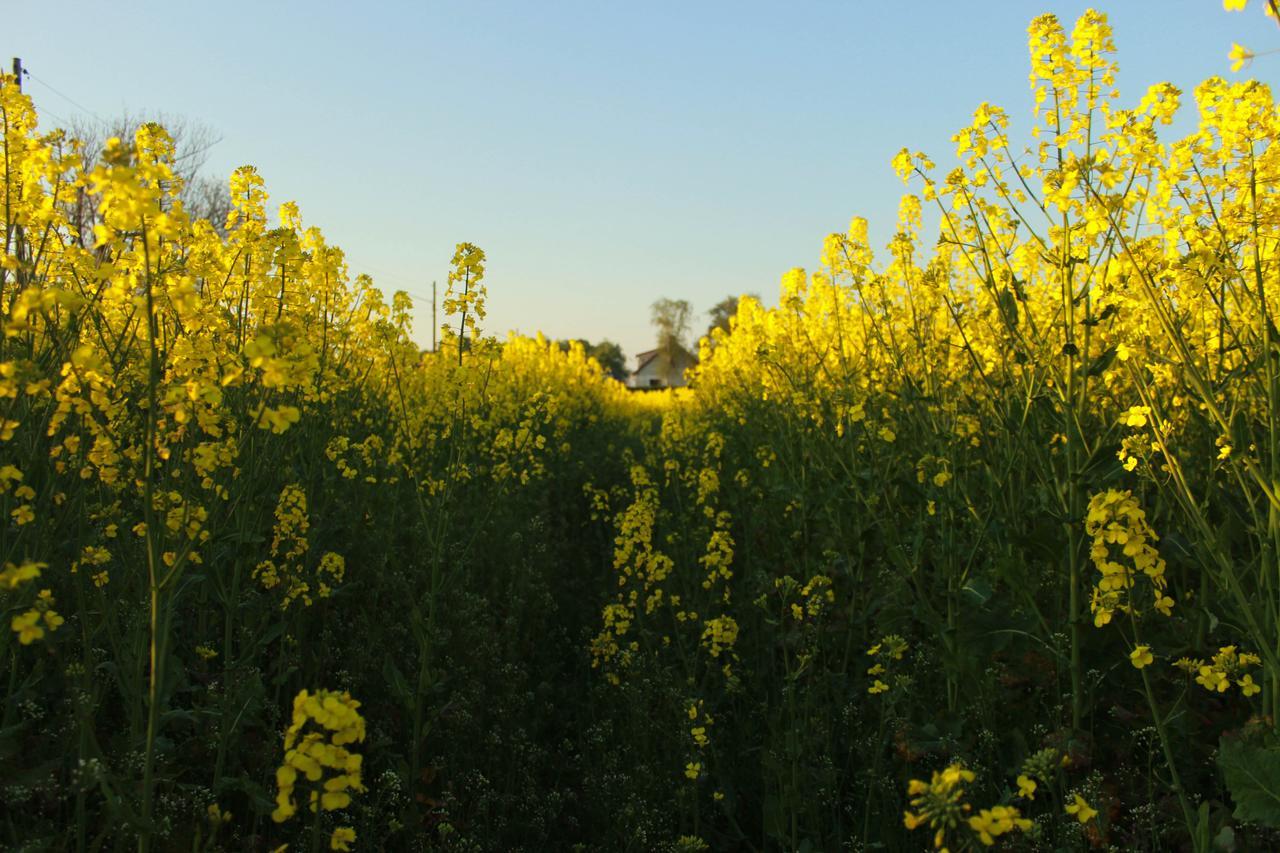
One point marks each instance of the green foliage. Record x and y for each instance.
(1252, 774)
(607, 354)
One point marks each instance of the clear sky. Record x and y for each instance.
(604, 154)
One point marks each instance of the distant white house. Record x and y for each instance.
(652, 370)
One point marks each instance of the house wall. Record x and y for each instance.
(646, 376)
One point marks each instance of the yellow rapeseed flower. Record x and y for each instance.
(342, 838)
(1080, 807)
(1026, 787)
(990, 824)
(27, 627)
(1239, 55)
(1141, 656)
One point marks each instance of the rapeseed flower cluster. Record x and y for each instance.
(289, 546)
(719, 635)
(317, 757)
(1117, 523)
(886, 653)
(1229, 666)
(940, 805)
(465, 294)
(813, 599)
(41, 618)
(1039, 767)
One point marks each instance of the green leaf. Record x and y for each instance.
(259, 797)
(1203, 826)
(1102, 362)
(1253, 778)
(1097, 319)
(397, 682)
(1008, 304)
(979, 589)
(775, 825)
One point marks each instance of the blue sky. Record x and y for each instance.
(604, 154)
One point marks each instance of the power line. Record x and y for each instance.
(415, 297)
(378, 274)
(23, 71)
(62, 122)
(380, 270)
(66, 97)
(187, 154)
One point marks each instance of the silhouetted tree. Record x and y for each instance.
(671, 319)
(723, 310)
(607, 353)
(611, 358)
(203, 196)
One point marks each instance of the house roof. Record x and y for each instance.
(643, 358)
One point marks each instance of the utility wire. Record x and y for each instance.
(62, 122)
(416, 297)
(378, 274)
(184, 155)
(67, 98)
(381, 271)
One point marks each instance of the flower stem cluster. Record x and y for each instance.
(466, 292)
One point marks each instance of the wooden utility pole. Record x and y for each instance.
(19, 238)
(433, 316)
